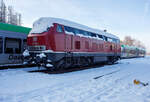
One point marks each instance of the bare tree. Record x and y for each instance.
(139, 44)
(19, 19)
(8, 15)
(128, 40)
(2, 12)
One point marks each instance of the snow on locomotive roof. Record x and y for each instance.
(43, 23)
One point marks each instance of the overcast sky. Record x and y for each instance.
(119, 17)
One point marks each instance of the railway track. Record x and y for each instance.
(15, 66)
(34, 68)
(69, 69)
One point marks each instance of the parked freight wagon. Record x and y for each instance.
(12, 43)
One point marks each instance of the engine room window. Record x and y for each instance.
(105, 38)
(81, 32)
(77, 31)
(101, 37)
(12, 46)
(1, 45)
(77, 44)
(59, 28)
(110, 39)
(93, 34)
(86, 33)
(69, 30)
(118, 41)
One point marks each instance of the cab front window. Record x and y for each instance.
(59, 28)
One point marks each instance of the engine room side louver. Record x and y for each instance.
(36, 48)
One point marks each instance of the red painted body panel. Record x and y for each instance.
(36, 39)
(61, 42)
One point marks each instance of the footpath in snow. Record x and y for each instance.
(110, 83)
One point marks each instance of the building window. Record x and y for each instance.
(12, 46)
(1, 45)
(59, 28)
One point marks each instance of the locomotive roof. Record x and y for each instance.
(14, 28)
(43, 23)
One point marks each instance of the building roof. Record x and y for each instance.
(14, 28)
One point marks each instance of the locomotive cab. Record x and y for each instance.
(39, 46)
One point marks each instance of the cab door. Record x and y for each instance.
(68, 42)
(69, 34)
(59, 36)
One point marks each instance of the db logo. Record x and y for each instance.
(34, 38)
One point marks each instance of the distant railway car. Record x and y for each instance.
(132, 51)
(61, 43)
(12, 43)
(142, 52)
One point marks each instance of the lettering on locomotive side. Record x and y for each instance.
(15, 57)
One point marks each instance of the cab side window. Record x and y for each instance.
(1, 45)
(59, 28)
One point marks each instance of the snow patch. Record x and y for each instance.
(41, 55)
(42, 25)
(17, 85)
(49, 60)
(47, 51)
(49, 65)
(26, 53)
(70, 33)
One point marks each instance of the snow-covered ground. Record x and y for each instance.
(111, 83)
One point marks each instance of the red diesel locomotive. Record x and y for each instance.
(58, 43)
